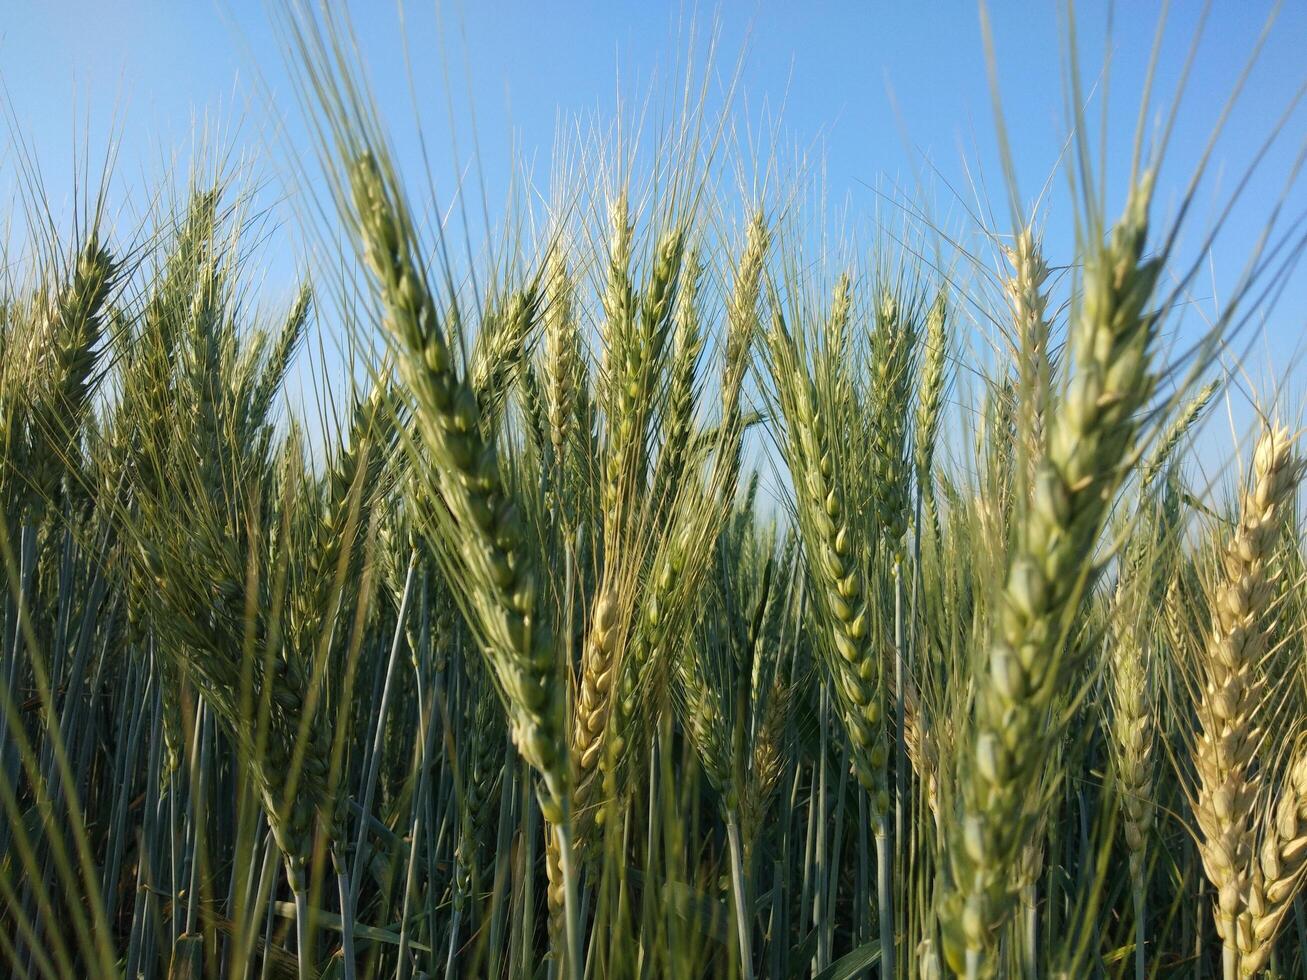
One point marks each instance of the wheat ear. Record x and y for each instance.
(1277, 878)
(1232, 693)
(1027, 664)
(930, 406)
(484, 536)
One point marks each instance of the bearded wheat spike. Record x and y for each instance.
(1176, 432)
(78, 314)
(1131, 724)
(678, 417)
(1027, 295)
(282, 351)
(622, 366)
(660, 621)
(497, 573)
(499, 348)
(1013, 728)
(555, 892)
(829, 540)
(930, 403)
(500, 583)
(742, 315)
(1132, 728)
(893, 348)
(691, 509)
(68, 351)
(767, 763)
(1229, 781)
(562, 363)
(837, 324)
(1278, 876)
(599, 663)
(921, 746)
(637, 347)
(564, 390)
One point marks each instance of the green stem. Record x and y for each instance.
(1031, 939)
(885, 898)
(900, 708)
(343, 884)
(452, 949)
(1141, 927)
(571, 897)
(884, 853)
(524, 928)
(819, 860)
(303, 930)
(741, 901)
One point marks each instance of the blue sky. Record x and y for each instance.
(888, 94)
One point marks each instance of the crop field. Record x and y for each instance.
(665, 592)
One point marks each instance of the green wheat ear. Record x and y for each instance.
(500, 586)
(1091, 438)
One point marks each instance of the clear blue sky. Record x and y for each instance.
(887, 91)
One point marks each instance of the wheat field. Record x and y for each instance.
(669, 596)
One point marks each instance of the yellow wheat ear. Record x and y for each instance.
(1249, 893)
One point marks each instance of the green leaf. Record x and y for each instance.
(851, 964)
